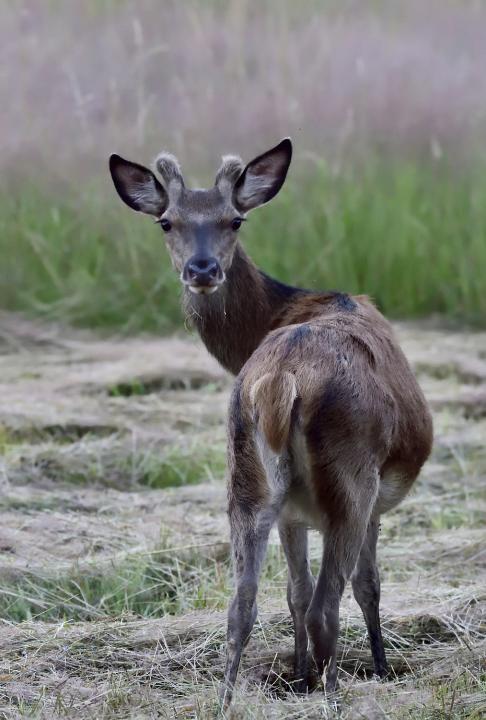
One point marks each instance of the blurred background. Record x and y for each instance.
(385, 103)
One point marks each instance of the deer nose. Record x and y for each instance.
(202, 271)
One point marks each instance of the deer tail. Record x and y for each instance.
(273, 396)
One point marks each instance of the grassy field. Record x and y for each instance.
(114, 543)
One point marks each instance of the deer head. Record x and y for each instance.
(201, 226)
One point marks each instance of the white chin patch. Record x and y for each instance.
(198, 290)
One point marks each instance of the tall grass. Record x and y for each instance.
(412, 237)
(386, 103)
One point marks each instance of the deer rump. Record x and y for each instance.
(325, 383)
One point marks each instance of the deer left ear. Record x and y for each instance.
(263, 177)
(138, 187)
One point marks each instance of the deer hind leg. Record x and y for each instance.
(250, 523)
(249, 537)
(299, 593)
(366, 589)
(343, 541)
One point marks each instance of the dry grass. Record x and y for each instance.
(114, 592)
(132, 665)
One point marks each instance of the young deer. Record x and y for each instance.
(328, 427)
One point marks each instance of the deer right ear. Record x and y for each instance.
(138, 187)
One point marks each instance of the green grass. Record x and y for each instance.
(151, 584)
(412, 237)
(116, 465)
(147, 585)
(182, 466)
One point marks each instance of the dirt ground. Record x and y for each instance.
(114, 572)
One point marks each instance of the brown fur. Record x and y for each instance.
(321, 339)
(357, 394)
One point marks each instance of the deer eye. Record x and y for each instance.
(165, 225)
(236, 224)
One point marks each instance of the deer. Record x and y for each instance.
(327, 427)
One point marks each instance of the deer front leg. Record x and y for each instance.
(249, 537)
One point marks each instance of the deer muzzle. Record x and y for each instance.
(202, 275)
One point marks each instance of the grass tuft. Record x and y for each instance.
(150, 584)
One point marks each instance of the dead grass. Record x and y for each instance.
(181, 660)
(114, 590)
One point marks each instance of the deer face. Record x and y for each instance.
(201, 226)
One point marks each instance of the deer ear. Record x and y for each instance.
(263, 177)
(138, 187)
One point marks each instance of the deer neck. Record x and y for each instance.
(233, 321)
